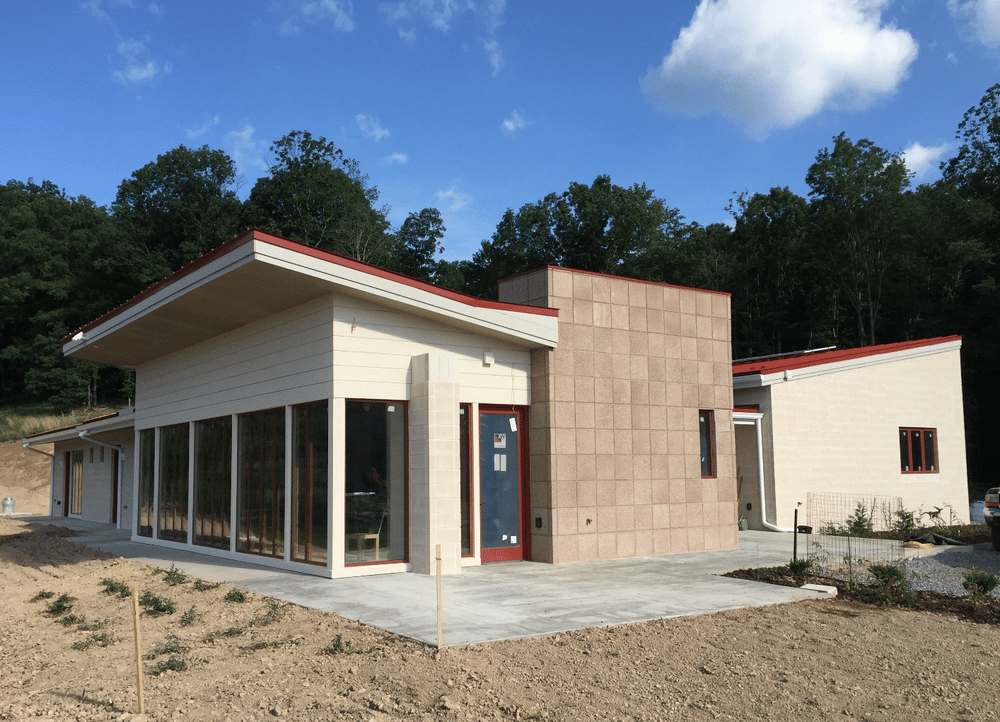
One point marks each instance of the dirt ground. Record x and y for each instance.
(260, 659)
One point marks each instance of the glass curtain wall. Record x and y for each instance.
(147, 468)
(310, 428)
(375, 482)
(261, 484)
(212, 482)
(173, 501)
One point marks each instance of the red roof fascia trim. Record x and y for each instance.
(818, 359)
(254, 234)
(619, 278)
(74, 426)
(747, 409)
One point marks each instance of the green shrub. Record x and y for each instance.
(337, 646)
(860, 522)
(203, 586)
(236, 595)
(112, 587)
(189, 617)
(171, 645)
(61, 605)
(800, 567)
(174, 664)
(156, 604)
(101, 640)
(44, 594)
(71, 619)
(172, 576)
(979, 584)
(904, 523)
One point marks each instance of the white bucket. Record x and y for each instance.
(8, 506)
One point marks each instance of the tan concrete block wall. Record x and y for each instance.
(617, 439)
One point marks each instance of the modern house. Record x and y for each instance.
(303, 410)
(879, 420)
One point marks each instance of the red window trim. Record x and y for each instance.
(714, 471)
(923, 446)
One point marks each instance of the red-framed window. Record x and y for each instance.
(918, 451)
(706, 435)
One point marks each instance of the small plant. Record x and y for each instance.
(174, 664)
(171, 645)
(156, 604)
(273, 614)
(979, 584)
(337, 646)
(904, 523)
(800, 567)
(235, 595)
(889, 575)
(101, 640)
(61, 605)
(860, 522)
(93, 626)
(172, 576)
(189, 617)
(202, 586)
(44, 594)
(112, 587)
(71, 619)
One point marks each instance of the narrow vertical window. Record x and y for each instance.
(173, 483)
(706, 433)
(147, 467)
(465, 474)
(375, 481)
(261, 486)
(212, 482)
(918, 451)
(75, 468)
(310, 429)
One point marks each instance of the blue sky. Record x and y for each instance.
(476, 107)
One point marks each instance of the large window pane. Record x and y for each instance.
(212, 482)
(309, 482)
(375, 507)
(147, 468)
(173, 497)
(261, 493)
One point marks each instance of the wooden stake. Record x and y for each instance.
(440, 623)
(138, 650)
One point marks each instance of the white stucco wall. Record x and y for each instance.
(839, 432)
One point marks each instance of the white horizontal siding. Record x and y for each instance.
(280, 360)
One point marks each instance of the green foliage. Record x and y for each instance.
(980, 584)
(418, 241)
(103, 639)
(172, 576)
(890, 586)
(904, 523)
(61, 605)
(44, 594)
(156, 604)
(171, 645)
(201, 585)
(173, 664)
(69, 620)
(800, 567)
(235, 595)
(111, 586)
(337, 646)
(189, 617)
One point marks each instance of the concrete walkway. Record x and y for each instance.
(496, 601)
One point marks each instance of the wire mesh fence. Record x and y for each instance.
(844, 535)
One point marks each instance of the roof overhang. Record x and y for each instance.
(861, 360)
(118, 421)
(257, 275)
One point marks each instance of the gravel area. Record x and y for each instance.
(945, 570)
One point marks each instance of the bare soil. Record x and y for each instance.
(260, 659)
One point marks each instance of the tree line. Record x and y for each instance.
(864, 258)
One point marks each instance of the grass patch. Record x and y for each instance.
(155, 604)
(44, 594)
(171, 645)
(337, 646)
(270, 645)
(200, 585)
(20, 420)
(172, 576)
(189, 617)
(71, 619)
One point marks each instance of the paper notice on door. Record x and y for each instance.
(499, 462)
(513, 425)
(499, 441)
(513, 540)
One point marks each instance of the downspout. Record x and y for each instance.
(85, 435)
(27, 445)
(760, 477)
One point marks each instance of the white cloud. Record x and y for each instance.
(200, 130)
(370, 127)
(444, 15)
(156, 9)
(452, 199)
(339, 13)
(767, 64)
(919, 159)
(401, 158)
(100, 8)
(982, 16)
(513, 124)
(247, 152)
(139, 67)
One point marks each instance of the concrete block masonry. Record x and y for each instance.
(821, 588)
